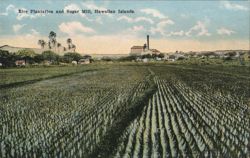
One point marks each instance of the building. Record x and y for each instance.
(84, 61)
(142, 50)
(155, 51)
(137, 50)
(20, 62)
(74, 62)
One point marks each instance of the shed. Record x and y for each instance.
(20, 62)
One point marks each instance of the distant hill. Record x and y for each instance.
(220, 52)
(112, 56)
(12, 49)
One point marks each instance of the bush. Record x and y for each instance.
(7, 59)
(127, 58)
(69, 57)
(50, 56)
(27, 55)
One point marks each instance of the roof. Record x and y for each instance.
(154, 50)
(83, 60)
(137, 47)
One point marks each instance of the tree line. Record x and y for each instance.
(8, 59)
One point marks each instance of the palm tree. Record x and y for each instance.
(52, 38)
(53, 41)
(73, 47)
(42, 43)
(69, 42)
(58, 45)
(49, 44)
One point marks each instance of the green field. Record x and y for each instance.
(125, 110)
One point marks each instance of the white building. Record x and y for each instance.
(142, 50)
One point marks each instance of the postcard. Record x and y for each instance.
(144, 78)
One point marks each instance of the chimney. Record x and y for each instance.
(148, 42)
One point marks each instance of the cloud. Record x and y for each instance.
(74, 27)
(153, 12)
(13, 9)
(71, 7)
(74, 7)
(138, 19)
(93, 6)
(232, 6)
(161, 27)
(178, 33)
(21, 16)
(9, 8)
(17, 27)
(225, 31)
(33, 34)
(185, 16)
(126, 18)
(132, 33)
(136, 29)
(200, 30)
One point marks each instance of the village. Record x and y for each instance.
(53, 53)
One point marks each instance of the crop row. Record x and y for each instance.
(181, 122)
(65, 117)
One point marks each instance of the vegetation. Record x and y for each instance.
(69, 57)
(52, 43)
(50, 56)
(15, 76)
(7, 59)
(30, 57)
(125, 110)
(27, 55)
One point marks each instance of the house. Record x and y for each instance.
(84, 61)
(158, 59)
(46, 62)
(171, 59)
(20, 62)
(145, 60)
(166, 57)
(138, 59)
(74, 62)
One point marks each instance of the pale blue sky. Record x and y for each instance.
(203, 21)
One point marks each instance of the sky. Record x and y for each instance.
(172, 25)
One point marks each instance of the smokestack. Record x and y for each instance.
(148, 42)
